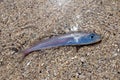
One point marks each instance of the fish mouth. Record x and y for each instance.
(97, 41)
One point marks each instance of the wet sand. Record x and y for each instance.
(25, 22)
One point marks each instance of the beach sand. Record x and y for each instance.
(26, 22)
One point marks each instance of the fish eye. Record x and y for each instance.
(92, 36)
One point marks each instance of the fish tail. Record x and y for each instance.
(26, 52)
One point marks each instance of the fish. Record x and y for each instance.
(76, 38)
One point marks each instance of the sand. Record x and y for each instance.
(25, 22)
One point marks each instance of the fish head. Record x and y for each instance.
(89, 38)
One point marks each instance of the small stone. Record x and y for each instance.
(14, 49)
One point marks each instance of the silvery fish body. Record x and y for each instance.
(77, 38)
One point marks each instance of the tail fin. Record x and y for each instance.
(26, 52)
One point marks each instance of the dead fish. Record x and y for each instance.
(76, 38)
